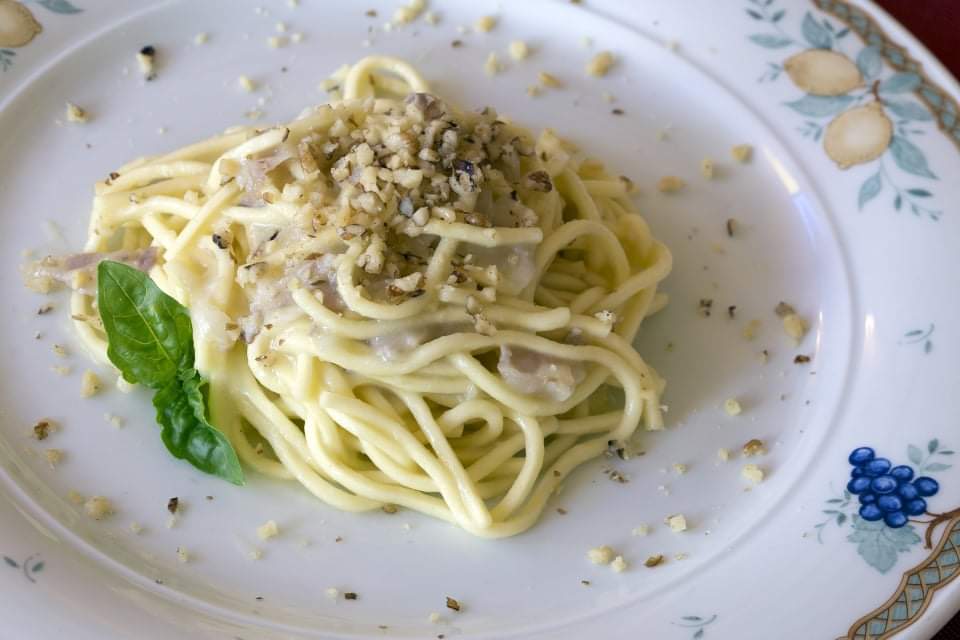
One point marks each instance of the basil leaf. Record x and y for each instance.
(149, 333)
(150, 340)
(181, 412)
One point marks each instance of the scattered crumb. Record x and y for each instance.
(246, 84)
(753, 473)
(54, 457)
(485, 24)
(173, 504)
(201, 38)
(670, 184)
(783, 309)
(280, 27)
(296, 38)
(276, 42)
(42, 429)
(332, 593)
(75, 497)
(519, 50)
(731, 227)
(619, 565)
(585, 583)
(795, 326)
(135, 528)
(750, 331)
(453, 604)
(742, 153)
(255, 554)
(600, 64)
(677, 523)
(608, 97)
(562, 511)
(350, 595)
(389, 508)
(114, 420)
(681, 556)
(732, 407)
(653, 561)
(268, 530)
(754, 448)
(76, 114)
(60, 350)
(679, 468)
(641, 530)
(146, 59)
(409, 12)
(183, 555)
(492, 65)
(432, 18)
(707, 168)
(89, 384)
(617, 112)
(548, 80)
(723, 454)
(600, 555)
(98, 507)
(533, 91)
(801, 359)
(434, 617)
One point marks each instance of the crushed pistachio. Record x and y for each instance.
(453, 603)
(732, 407)
(801, 359)
(742, 153)
(42, 429)
(653, 561)
(600, 64)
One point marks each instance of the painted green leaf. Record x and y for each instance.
(933, 445)
(915, 455)
(778, 16)
(58, 6)
(945, 453)
(937, 466)
(756, 15)
(910, 158)
(909, 110)
(816, 34)
(919, 193)
(820, 106)
(10, 561)
(698, 634)
(692, 618)
(770, 40)
(879, 545)
(903, 82)
(870, 189)
(38, 567)
(869, 62)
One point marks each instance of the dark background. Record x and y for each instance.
(936, 23)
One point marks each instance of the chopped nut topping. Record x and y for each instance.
(653, 561)
(753, 473)
(670, 184)
(677, 523)
(707, 168)
(485, 24)
(549, 80)
(349, 595)
(742, 153)
(641, 530)
(519, 50)
(539, 181)
(89, 384)
(98, 507)
(679, 468)
(732, 407)
(601, 64)
(600, 555)
(76, 114)
(754, 448)
(453, 604)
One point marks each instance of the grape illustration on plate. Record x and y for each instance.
(887, 492)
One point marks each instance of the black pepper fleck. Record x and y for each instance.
(173, 504)
(350, 595)
(617, 112)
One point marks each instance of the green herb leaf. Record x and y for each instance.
(181, 412)
(150, 340)
(149, 333)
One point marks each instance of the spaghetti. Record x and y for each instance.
(396, 303)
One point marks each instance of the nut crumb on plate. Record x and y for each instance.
(653, 560)
(677, 523)
(600, 64)
(492, 65)
(332, 592)
(201, 38)
(549, 80)
(268, 530)
(98, 507)
(732, 407)
(600, 555)
(795, 326)
(453, 603)
(485, 24)
(42, 428)
(707, 168)
(753, 473)
(519, 50)
(183, 556)
(76, 114)
(754, 447)
(742, 153)
(750, 331)
(434, 617)
(641, 530)
(679, 468)
(670, 184)
(146, 59)
(723, 454)
(54, 457)
(89, 384)
(246, 84)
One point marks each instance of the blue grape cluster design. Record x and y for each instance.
(886, 492)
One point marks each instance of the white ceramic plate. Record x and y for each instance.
(869, 254)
